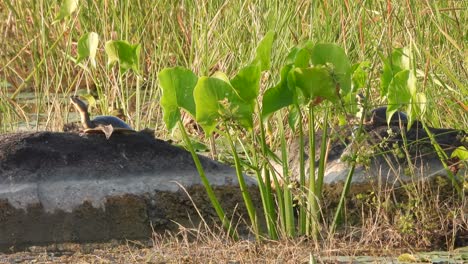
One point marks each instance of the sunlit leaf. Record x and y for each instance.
(398, 93)
(177, 92)
(299, 56)
(127, 55)
(66, 9)
(359, 75)
(323, 54)
(314, 82)
(263, 51)
(247, 82)
(87, 46)
(90, 99)
(293, 117)
(217, 101)
(395, 63)
(278, 96)
(461, 153)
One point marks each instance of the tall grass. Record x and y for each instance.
(206, 36)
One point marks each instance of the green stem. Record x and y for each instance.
(243, 187)
(288, 201)
(211, 195)
(267, 198)
(312, 223)
(302, 204)
(323, 152)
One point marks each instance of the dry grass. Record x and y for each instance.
(432, 225)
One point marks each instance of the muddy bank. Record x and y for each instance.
(58, 187)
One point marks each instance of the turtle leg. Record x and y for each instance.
(108, 130)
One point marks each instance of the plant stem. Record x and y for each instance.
(243, 188)
(302, 204)
(288, 201)
(312, 224)
(211, 195)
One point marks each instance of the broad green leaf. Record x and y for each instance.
(314, 82)
(398, 93)
(416, 108)
(177, 91)
(299, 56)
(359, 80)
(461, 153)
(412, 108)
(359, 75)
(278, 96)
(216, 100)
(335, 55)
(90, 99)
(263, 52)
(127, 55)
(247, 82)
(395, 63)
(293, 117)
(66, 9)
(221, 75)
(87, 46)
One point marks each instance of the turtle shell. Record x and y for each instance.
(115, 122)
(109, 125)
(378, 116)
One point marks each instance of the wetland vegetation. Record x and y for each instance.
(217, 76)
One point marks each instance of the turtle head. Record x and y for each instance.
(79, 104)
(83, 109)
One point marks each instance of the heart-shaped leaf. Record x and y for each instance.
(322, 54)
(216, 100)
(177, 91)
(247, 82)
(127, 55)
(66, 9)
(263, 51)
(314, 83)
(395, 63)
(87, 46)
(398, 93)
(278, 96)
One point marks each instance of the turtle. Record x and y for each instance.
(378, 117)
(100, 124)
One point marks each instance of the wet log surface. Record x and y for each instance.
(57, 187)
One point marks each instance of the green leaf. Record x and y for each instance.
(216, 100)
(127, 55)
(398, 93)
(87, 46)
(247, 82)
(314, 82)
(263, 52)
(299, 55)
(359, 75)
(413, 108)
(66, 9)
(395, 63)
(293, 117)
(177, 91)
(278, 96)
(461, 153)
(323, 54)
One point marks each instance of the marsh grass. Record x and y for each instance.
(206, 36)
(36, 57)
